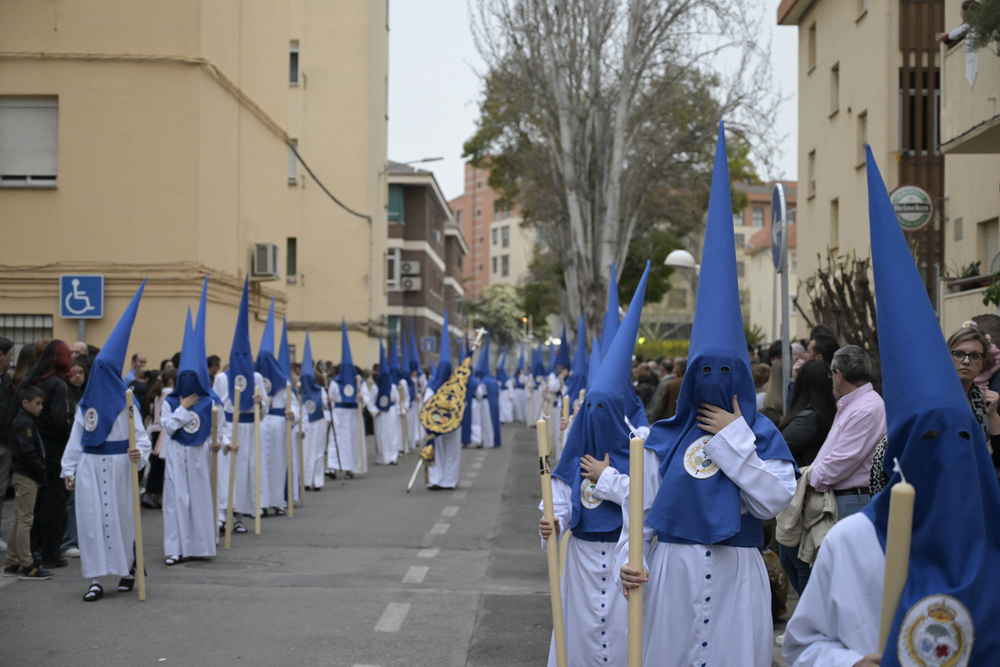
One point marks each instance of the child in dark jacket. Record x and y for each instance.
(27, 476)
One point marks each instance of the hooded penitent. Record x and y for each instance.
(492, 388)
(404, 370)
(636, 410)
(267, 365)
(948, 609)
(312, 396)
(192, 378)
(241, 359)
(502, 376)
(284, 354)
(104, 397)
(347, 378)
(697, 503)
(594, 363)
(578, 379)
(470, 393)
(563, 358)
(442, 372)
(414, 352)
(600, 428)
(552, 358)
(537, 367)
(383, 401)
(520, 368)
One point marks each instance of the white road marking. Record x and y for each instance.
(472, 475)
(393, 617)
(427, 553)
(415, 575)
(440, 529)
(366, 666)
(450, 510)
(465, 483)
(458, 495)
(476, 466)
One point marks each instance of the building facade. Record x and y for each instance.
(159, 144)
(763, 291)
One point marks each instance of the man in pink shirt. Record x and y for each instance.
(845, 458)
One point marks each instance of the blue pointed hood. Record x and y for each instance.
(284, 354)
(518, 372)
(483, 366)
(406, 370)
(702, 505)
(312, 394)
(192, 378)
(384, 381)
(595, 362)
(552, 358)
(267, 365)
(942, 452)
(600, 426)
(578, 379)
(240, 356)
(537, 367)
(394, 373)
(611, 321)
(347, 378)
(414, 351)
(563, 358)
(502, 376)
(442, 372)
(104, 397)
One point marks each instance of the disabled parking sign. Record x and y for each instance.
(81, 297)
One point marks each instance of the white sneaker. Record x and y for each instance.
(72, 552)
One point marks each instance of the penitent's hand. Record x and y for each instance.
(713, 419)
(545, 529)
(871, 660)
(189, 401)
(591, 468)
(70, 483)
(134, 455)
(633, 578)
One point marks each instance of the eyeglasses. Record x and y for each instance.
(960, 356)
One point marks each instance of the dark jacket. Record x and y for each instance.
(56, 420)
(7, 407)
(804, 435)
(26, 444)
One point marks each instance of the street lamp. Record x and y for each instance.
(682, 259)
(426, 159)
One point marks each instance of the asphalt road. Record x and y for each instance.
(363, 575)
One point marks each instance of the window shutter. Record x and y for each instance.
(29, 130)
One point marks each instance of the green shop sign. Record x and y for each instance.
(914, 207)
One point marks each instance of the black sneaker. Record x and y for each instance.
(11, 570)
(34, 573)
(62, 562)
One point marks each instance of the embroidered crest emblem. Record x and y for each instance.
(310, 407)
(696, 461)
(193, 424)
(90, 419)
(936, 632)
(587, 498)
(267, 386)
(29, 432)
(383, 401)
(240, 383)
(348, 390)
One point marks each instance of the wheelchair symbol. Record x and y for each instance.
(78, 296)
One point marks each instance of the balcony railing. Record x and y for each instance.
(970, 116)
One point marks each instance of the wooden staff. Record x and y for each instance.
(140, 570)
(898, 535)
(234, 445)
(406, 427)
(214, 465)
(302, 456)
(256, 459)
(362, 463)
(552, 548)
(635, 524)
(290, 481)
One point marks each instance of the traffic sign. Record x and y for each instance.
(914, 207)
(428, 344)
(779, 251)
(81, 297)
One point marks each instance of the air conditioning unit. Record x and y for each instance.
(264, 263)
(409, 284)
(409, 267)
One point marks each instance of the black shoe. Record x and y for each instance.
(94, 594)
(33, 573)
(52, 564)
(279, 512)
(263, 513)
(125, 584)
(349, 475)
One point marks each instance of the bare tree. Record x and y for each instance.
(617, 103)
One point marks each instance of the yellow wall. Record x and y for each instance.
(520, 251)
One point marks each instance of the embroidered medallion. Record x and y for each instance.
(936, 632)
(696, 461)
(310, 407)
(587, 498)
(240, 383)
(90, 419)
(383, 401)
(348, 390)
(193, 424)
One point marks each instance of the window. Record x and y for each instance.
(482, 240)
(494, 265)
(989, 242)
(291, 354)
(25, 329)
(479, 213)
(291, 260)
(919, 114)
(494, 236)
(740, 240)
(505, 265)
(862, 137)
(740, 270)
(394, 257)
(677, 298)
(458, 218)
(812, 174)
(958, 229)
(29, 141)
(505, 236)
(293, 162)
(812, 48)
(794, 261)
(293, 63)
(436, 235)
(758, 216)
(835, 89)
(790, 213)
(738, 219)
(834, 225)
(396, 200)
(460, 262)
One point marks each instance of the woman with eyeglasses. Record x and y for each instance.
(969, 346)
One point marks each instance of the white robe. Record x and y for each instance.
(404, 417)
(105, 524)
(710, 603)
(837, 619)
(244, 494)
(347, 426)
(447, 457)
(274, 450)
(521, 401)
(388, 430)
(595, 615)
(314, 445)
(507, 402)
(189, 527)
(485, 418)
(553, 410)
(414, 430)
(535, 399)
(476, 405)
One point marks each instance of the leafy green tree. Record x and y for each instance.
(499, 309)
(984, 23)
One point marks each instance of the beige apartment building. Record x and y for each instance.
(158, 144)
(511, 248)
